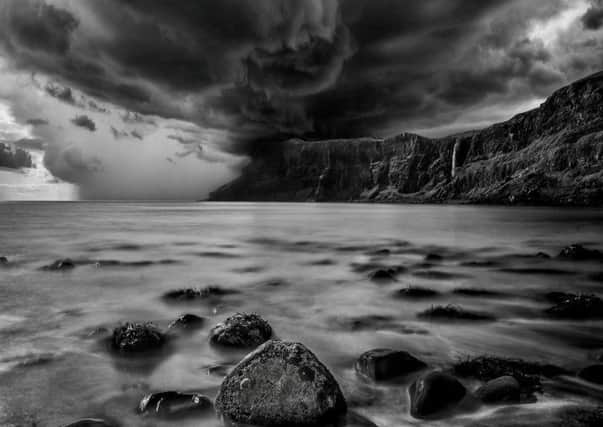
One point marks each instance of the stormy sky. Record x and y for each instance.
(162, 98)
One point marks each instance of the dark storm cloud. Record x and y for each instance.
(85, 122)
(593, 18)
(270, 69)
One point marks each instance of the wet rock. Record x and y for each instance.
(241, 330)
(191, 294)
(386, 364)
(474, 292)
(487, 368)
(577, 307)
(187, 322)
(361, 323)
(280, 384)
(593, 374)
(580, 253)
(137, 338)
(433, 257)
(557, 297)
(60, 265)
(500, 390)
(452, 312)
(91, 422)
(433, 393)
(3, 260)
(380, 252)
(173, 404)
(438, 275)
(383, 275)
(415, 292)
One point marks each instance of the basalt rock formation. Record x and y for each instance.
(552, 155)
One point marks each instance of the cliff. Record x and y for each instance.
(14, 158)
(552, 155)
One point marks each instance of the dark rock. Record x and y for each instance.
(190, 294)
(173, 404)
(383, 275)
(433, 257)
(451, 312)
(557, 297)
(580, 253)
(543, 255)
(487, 368)
(385, 364)
(433, 393)
(60, 265)
(380, 252)
(415, 292)
(577, 307)
(370, 321)
(91, 422)
(187, 322)
(474, 292)
(280, 384)
(593, 374)
(500, 390)
(438, 275)
(137, 338)
(241, 330)
(3, 260)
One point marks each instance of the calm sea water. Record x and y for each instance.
(299, 266)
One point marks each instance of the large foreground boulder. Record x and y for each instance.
(433, 393)
(385, 364)
(241, 330)
(280, 384)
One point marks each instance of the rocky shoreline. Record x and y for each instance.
(552, 155)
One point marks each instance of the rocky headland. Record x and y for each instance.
(552, 155)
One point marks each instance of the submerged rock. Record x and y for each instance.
(475, 292)
(500, 390)
(433, 257)
(416, 292)
(452, 312)
(280, 384)
(190, 294)
(173, 404)
(570, 306)
(3, 260)
(386, 364)
(241, 330)
(137, 338)
(433, 393)
(593, 374)
(60, 265)
(91, 422)
(580, 253)
(383, 275)
(187, 322)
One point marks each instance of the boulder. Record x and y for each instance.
(137, 338)
(570, 306)
(60, 265)
(280, 384)
(593, 374)
(172, 404)
(190, 294)
(580, 253)
(416, 292)
(187, 322)
(3, 260)
(241, 330)
(433, 393)
(91, 422)
(433, 257)
(500, 390)
(383, 275)
(386, 364)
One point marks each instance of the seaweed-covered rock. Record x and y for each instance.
(60, 265)
(386, 364)
(452, 312)
(187, 322)
(580, 253)
(91, 422)
(190, 294)
(500, 390)
(570, 306)
(416, 292)
(280, 384)
(433, 393)
(241, 330)
(137, 338)
(173, 404)
(593, 374)
(487, 368)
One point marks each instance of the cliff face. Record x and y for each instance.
(14, 158)
(550, 155)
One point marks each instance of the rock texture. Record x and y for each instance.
(280, 384)
(433, 393)
(551, 155)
